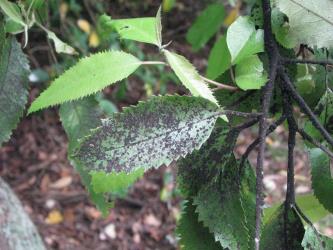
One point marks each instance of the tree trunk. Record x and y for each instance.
(17, 232)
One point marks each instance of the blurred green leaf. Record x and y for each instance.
(219, 59)
(309, 205)
(115, 183)
(283, 230)
(250, 73)
(12, 11)
(244, 40)
(206, 25)
(137, 29)
(322, 181)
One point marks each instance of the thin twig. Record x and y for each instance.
(241, 114)
(220, 85)
(307, 137)
(255, 143)
(273, 59)
(323, 63)
(304, 107)
(292, 128)
(247, 124)
(308, 221)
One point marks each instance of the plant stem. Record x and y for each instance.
(307, 137)
(255, 143)
(273, 59)
(220, 85)
(153, 63)
(323, 63)
(304, 107)
(242, 114)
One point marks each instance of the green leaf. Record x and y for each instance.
(311, 22)
(78, 118)
(12, 11)
(281, 28)
(189, 76)
(284, 230)
(193, 235)
(206, 25)
(221, 206)
(244, 40)
(324, 111)
(149, 135)
(89, 75)
(14, 71)
(309, 205)
(117, 183)
(138, 29)
(219, 59)
(322, 181)
(312, 241)
(250, 73)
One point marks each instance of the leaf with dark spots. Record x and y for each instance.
(284, 230)
(151, 134)
(198, 168)
(227, 206)
(14, 71)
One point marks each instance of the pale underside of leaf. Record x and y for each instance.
(158, 28)
(314, 241)
(14, 70)
(89, 75)
(59, 45)
(243, 39)
(311, 22)
(189, 76)
(149, 135)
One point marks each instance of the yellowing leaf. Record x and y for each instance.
(233, 14)
(54, 217)
(84, 25)
(168, 5)
(59, 45)
(63, 9)
(93, 40)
